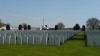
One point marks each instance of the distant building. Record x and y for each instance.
(3, 28)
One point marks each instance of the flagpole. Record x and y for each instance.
(43, 22)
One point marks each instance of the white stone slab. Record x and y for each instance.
(19, 40)
(45, 39)
(7, 39)
(56, 41)
(51, 40)
(13, 39)
(38, 40)
(62, 40)
(1, 39)
(31, 40)
(90, 40)
(97, 39)
(24, 39)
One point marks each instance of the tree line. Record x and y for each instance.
(91, 24)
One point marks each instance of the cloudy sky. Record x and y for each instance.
(32, 12)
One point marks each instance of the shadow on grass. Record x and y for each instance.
(78, 37)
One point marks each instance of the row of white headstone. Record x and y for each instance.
(55, 38)
(93, 38)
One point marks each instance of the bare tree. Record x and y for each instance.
(92, 23)
(60, 25)
(24, 25)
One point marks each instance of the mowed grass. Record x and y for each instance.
(74, 47)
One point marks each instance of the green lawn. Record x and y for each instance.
(74, 47)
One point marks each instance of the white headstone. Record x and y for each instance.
(19, 40)
(38, 40)
(13, 39)
(51, 40)
(7, 39)
(31, 40)
(1, 39)
(24, 39)
(45, 39)
(57, 40)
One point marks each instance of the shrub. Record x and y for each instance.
(29, 27)
(77, 27)
(25, 27)
(83, 28)
(56, 27)
(20, 27)
(7, 27)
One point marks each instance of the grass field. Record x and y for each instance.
(74, 47)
